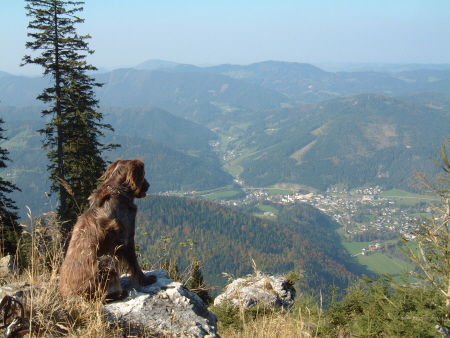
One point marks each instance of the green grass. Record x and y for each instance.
(384, 264)
(378, 262)
(224, 107)
(268, 208)
(226, 194)
(407, 198)
(355, 247)
(233, 170)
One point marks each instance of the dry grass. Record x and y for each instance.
(50, 314)
(276, 325)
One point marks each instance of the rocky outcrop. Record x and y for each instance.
(165, 308)
(257, 289)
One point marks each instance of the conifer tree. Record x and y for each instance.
(9, 228)
(75, 126)
(196, 282)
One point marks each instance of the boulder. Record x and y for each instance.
(262, 289)
(165, 308)
(7, 266)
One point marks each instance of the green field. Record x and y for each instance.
(378, 262)
(220, 195)
(384, 264)
(355, 247)
(233, 169)
(268, 208)
(406, 198)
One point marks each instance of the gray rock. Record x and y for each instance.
(258, 289)
(7, 266)
(163, 308)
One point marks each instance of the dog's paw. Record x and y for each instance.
(148, 280)
(118, 295)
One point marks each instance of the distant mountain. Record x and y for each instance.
(156, 64)
(226, 240)
(4, 74)
(433, 100)
(261, 124)
(306, 83)
(361, 140)
(161, 126)
(205, 94)
(381, 67)
(265, 71)
(296, 80)
(198, 96)
(20, 90)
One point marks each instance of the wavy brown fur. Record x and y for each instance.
(105, 233)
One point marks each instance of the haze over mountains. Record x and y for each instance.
(265, 123)
(236, 127)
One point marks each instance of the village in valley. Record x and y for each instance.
(365, 214)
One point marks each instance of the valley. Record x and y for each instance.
(372, 221)
(263, 140)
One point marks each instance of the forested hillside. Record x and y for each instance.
(176, 152)
(356, 141)
(226, 240)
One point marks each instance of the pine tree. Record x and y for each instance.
(74, 129)
(196, 282)
(9, 228)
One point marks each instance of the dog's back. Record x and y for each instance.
(94, 239)
(105, 233)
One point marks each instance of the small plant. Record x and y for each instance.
(293, 276)
(229, 317)
(195, 282)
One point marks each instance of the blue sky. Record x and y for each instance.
(127, 32)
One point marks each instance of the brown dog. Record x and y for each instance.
(104, 234)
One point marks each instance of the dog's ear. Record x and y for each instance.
(110, 171)
(135, 175)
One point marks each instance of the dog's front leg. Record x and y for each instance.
(129, 254)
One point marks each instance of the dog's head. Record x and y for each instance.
(129, 174)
